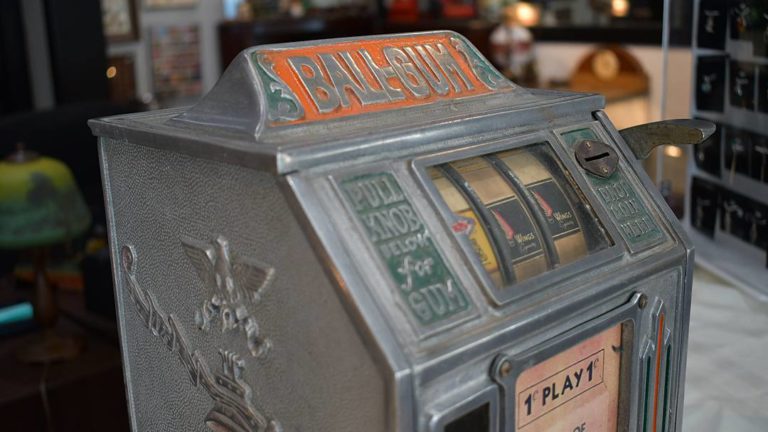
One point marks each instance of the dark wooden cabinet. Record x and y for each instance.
(235, 36)
(478, 31)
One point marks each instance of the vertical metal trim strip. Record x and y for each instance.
(647, 392)
(667, 388)
(659, 341)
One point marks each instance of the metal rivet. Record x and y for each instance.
(643, 301)
(505, 368)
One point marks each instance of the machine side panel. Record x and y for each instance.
(223, 304)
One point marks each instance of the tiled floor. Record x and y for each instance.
(727, 379)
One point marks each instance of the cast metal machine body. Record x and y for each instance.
(384, 234)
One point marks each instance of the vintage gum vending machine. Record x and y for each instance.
(384, 234)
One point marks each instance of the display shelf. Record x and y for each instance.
(728, 201)
(736, 266)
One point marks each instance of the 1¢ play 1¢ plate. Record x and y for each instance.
(577, 389)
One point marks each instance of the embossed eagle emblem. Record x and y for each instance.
(237, 283)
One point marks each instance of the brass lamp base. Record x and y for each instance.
(51, 348)
(48, 346)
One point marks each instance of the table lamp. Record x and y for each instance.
(40, 206)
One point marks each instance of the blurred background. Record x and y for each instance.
(63, 62)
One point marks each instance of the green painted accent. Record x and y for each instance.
(282, 104)
(482, 69)
(621, 200)
(647, 393)
(574, 137)
(39, 204)
(667, 390)
(403, 242)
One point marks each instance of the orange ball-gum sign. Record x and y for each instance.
(354, 77)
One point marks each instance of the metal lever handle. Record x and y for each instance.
(644, 138)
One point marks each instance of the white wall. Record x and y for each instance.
(559, 60)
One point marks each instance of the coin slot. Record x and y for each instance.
(477, 420)
(596, 157)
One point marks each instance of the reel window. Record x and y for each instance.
(523, 215)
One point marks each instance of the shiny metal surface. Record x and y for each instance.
(643, 139)
(159, 200)
(279, 271)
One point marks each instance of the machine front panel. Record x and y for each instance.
(523, 222)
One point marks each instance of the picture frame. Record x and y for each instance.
(705, 203)
(736, 153)
(708, 154)
(176, 63)
(762, 89)
(120, 20)
(711, 83)
(742, 85)
(713, 21)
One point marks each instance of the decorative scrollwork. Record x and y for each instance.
(283, 105)
(484, 72)
(236, 284)
(233, 409)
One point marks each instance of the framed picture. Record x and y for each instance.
(738, 149)
(710, 83)
(707, 154)
(743, 17)
(712, 24)
(762, 89)
(759, 157)
(169, 4)
(176, 69)
(742, 85)
(734, 209)
(705, 200)
(119, 20)
(744, 218)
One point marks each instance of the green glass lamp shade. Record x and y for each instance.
(40, 203)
